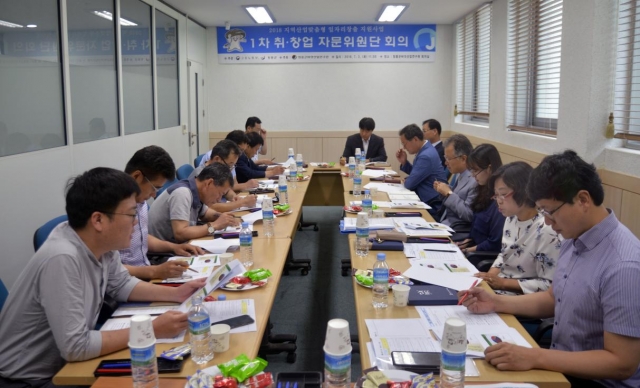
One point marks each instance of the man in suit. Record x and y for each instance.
(372, 145)
(432, 131)
(457, 197)
(426, 168)
(246, 169)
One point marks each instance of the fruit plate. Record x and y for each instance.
(304, 178)
(278, 213)
(246, 287)
(394, 278)
(394, 375)
(352, 209)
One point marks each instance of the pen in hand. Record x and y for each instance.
(191, 269)
(466, 294)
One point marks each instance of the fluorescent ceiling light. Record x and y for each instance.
(9, 24)
(107, 15)
(259, 13)
(32, 25)
(391, 12)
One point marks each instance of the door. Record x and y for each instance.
(198, 134)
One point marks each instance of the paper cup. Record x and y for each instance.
(338, 339)
(141, 333)
(290, 151)
(454, 336)
(358, 151)
(352, 160)
(225, 258)
(378, 213)
(400, 295)
(220, 337)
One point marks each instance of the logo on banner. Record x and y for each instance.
(426, 38)
(234, 38)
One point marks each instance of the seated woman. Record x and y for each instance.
(487, 222)
(530, 248)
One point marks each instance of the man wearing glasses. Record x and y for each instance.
(226, 152)
(51, 312)
(593, 298)
(174, 215)
(151, 167)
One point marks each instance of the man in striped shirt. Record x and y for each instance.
(593, 299)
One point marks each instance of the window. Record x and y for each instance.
(137, 66)
(533, 65)
(167, 70)
(92, 70)
(473, 40)
(31, 104)
(626, 102)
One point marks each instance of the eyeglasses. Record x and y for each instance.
(455, 157)
(502, 197)
(133, 216)
(549, 214)
(231, 166)
(155, 189)
(475, 174)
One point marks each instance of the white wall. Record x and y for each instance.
(588, 38)
(331, 96)
(33, 183)
(197, 35)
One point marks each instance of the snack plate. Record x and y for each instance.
(399, 279)
(392, 374)
(286, 213)
(304, 178)
(352, 209)
(248, 286)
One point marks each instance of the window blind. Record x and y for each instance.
(626, 101)
(533, 65)
(473, 35)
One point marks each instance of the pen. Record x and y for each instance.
(191, 269)
(467, 293)
(434, 335)
(438, 250)
(273, 159)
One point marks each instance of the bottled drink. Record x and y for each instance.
(282, 188)
(291, 154)
(454, 349)
(367, 204)
(380, 282)
(357, 156)
(337, 370)
(363, 157)
(293, 171)
(200, 332)
(360, 168)
(267, 216)
(357, 185)
(246, 245)
(362, 235)
(352, 167)
(299, 167)
(142, 345)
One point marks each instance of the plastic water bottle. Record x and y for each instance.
(357, 185)
(246, 245)
(337, 354)
(293, 171)
(363, 157)
(380, 282)
(362, 235)
(291, 154)
(357, 156)
(142, 344)
(299, 167)
(367, 204)
(282, 188)
(267, 217)
(352, 167)
(454, 350)
(361, 167)
(200, 332)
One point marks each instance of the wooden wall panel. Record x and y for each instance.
(630, 211)
(613, 199)
(332, 148)
(310, 148)
(280, 147)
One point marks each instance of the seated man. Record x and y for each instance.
(372, 145)
(432, 131)
(594, 295)
(226, 152)
(151, 167)
(174, 215)
(242, 141)
(457, 198)
(246, 169)
(426, 168)
(50, 314)
(254, 125)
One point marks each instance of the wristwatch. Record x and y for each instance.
(210, 229)
(449, 193)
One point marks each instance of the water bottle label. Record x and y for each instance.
(381, 275)
(199, 327)
(298, 164)
(362, 232)
(246, 240)
(337, 364)
(453, 361)
(352, 167)
(143, 355)
(357, 180)
(267, 214)
(367, 202)
(282, 189)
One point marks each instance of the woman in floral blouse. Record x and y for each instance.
(530, 248)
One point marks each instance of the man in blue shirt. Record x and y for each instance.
(426, 167)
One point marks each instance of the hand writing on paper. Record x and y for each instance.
(506, 356)
(478, 301)
(224, 220)
(170, 324)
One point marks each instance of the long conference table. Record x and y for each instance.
(325, 187)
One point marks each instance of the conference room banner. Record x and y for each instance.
(327, 43)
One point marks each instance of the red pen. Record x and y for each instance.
(467, 293)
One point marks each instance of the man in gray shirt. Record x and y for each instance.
(52, 309)
(175, 213)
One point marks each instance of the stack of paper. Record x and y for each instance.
(199, 267)
(419, 227)
(408, 197)
(443, 276)
(389, 188)
(402, 204)
(378, 173)
(218, 245)
(251, 218)
(349, 224)
(222, 310)
(268, 184)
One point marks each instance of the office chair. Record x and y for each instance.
(278, 343)
(4, 294)
(166, 186)
(196, 161)
(41, 234)
(184, 171)
(303, 224)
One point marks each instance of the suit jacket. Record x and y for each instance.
(425, 170)
(440, 148)
(375, 152)
(246, 169)
(458, 204)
